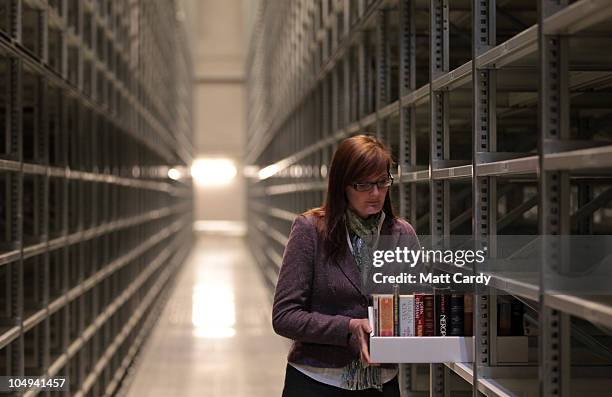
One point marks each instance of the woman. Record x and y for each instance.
(319, 300)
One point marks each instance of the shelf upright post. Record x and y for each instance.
(15, 210)
(41, 133)
(327, 119)
(325, 52)
(63, 4)
(319, 125)
(407, 135)
(77, 139)
(484, 188)
(301, 103)
(350, 11)
(335, 73)
(43, 35)
(298, 106)
(63, 325)
(383, 71)
(334, 26)
(310, 71)
(97, 260)
(407, 116)
(15, 189)
(43, 154)
(79, 32)
(134, 39)
(348, 68)
(291, 111)
(554, 189)
(439, 146)
(300, 78)
(363, 72)
(321, 87)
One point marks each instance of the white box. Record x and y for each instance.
(421, 349)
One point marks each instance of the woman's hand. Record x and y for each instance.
(360, 329)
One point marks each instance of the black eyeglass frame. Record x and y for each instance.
(370, 185)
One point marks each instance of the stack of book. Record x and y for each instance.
(422, 315)
(439, 315)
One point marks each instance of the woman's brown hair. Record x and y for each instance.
(355, 159)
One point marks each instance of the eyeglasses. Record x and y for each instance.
(368, 186)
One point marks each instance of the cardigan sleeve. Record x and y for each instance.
(291, 314)
(408, 237)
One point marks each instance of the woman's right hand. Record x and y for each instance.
(360, 329)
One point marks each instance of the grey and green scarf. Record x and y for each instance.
(363, 235)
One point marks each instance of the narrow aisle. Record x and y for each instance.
(215, 337)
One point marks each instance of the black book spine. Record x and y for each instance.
(516, 318)
(396, 311)
(456, 315)
(443, 308)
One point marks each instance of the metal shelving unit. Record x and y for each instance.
(498, 115)
(92, 230)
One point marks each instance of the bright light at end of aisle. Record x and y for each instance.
(174, 174)
(268, 171)
(213, 171)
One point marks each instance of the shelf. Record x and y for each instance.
(583, 159)
(459, 172)
(295, 187)
(578, 16)
(502, 381)
(517, 47)
(415, 176)
(455, 78)
(275, 212)
(596, 309)
(525, 165)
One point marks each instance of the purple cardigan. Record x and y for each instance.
(314, 300)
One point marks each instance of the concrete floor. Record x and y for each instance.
(215, 337)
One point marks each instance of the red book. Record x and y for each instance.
(385, 313)
(419, 315)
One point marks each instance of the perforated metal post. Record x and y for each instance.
(407, 133)
(335, 112)
(484, 188)
(407, 120)
(363, 74)
(439, 146)
(327, 117)
(15, 269)
(347, 100)
(43, 340)
(554, 188)
(383, 80)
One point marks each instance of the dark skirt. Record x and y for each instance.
(298, 384)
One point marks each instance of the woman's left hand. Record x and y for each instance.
(360, 329)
